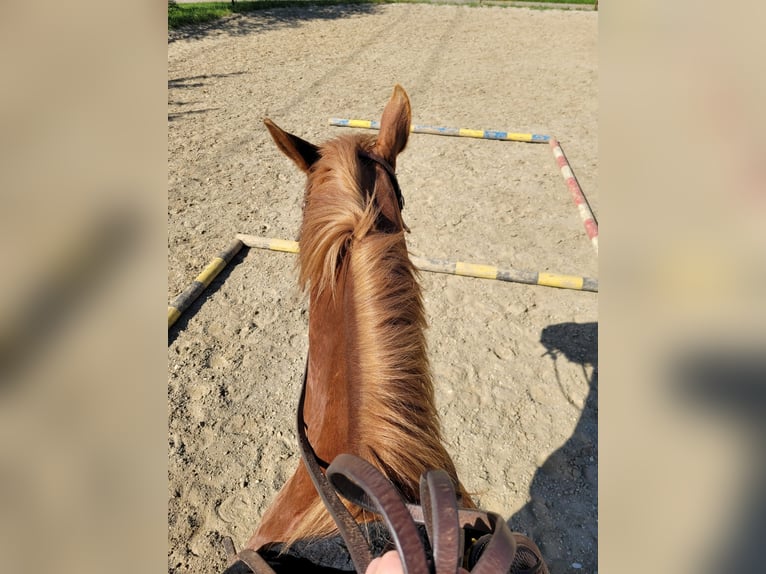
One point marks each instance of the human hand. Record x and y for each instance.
(389, 563)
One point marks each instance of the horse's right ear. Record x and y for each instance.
(394, 126)
(303, 153)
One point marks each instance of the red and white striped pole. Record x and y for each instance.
(589, 220)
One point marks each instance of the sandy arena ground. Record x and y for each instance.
(516, 366)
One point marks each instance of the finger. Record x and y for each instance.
(390, 563)
(374, 567)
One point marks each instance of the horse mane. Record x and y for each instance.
(334, 212)
(399, 431)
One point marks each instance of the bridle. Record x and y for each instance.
(389, 170)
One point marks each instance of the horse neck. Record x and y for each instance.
(330, 381)
(370, 392)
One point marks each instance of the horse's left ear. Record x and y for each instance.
(394, 126)
(303, 153)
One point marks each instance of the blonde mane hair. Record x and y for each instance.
(398, 429)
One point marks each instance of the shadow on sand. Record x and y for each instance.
(561, 516)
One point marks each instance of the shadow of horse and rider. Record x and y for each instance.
(561, 515)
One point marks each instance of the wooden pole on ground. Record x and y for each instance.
(588, 219)
(445, 131)
(454, 267)
(182, 302)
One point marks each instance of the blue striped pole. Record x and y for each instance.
(445, 131)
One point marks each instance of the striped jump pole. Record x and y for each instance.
(510, 275)
(182, 302)
(589, 220)
(454, 267)
(444, 131)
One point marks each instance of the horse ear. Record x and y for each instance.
(303, 153)
(394, 126)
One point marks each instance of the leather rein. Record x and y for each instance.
(389, 170)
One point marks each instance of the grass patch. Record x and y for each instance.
(561, 1)
(198, 13)
(182, 14)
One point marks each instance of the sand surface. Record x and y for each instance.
(515, 366)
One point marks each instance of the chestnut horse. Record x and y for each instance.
(369, 390)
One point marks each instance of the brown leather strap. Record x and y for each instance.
(389, 170)
(499, 552)
(467, 518)
(528, 558)
(357, 545)
(363, 484)
(247, 556)
(231, 552)
(437, 493)
(254, 561)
